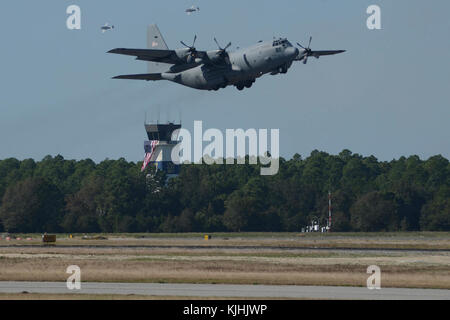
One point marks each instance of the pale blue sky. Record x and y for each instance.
(388, 96)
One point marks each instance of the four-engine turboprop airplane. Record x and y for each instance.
(212, 70)
(106, 27)
(192, 10)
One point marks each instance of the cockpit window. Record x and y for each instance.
(281, 42)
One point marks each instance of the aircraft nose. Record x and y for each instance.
(292, 51)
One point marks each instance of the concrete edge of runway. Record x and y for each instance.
(227, 291)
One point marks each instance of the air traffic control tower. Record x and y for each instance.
(159, 148)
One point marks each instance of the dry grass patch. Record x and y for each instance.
(237, 272)
(258, 265)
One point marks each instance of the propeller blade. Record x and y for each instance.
(220, 47)
(309, 45)
(305, 61)
(301, 46)
(217, 43)
(192, 48)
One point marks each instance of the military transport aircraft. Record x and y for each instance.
(215, 69)
(106, 27)
(192, 10)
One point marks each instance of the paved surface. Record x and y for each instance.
(209, 247)
(235, 291)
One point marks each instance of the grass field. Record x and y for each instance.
(259, 258)
(399, 240)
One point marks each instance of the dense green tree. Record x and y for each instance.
(114, 196)
(341, 222)
(238, 211)
(436, 213)
(186, 221)
(32, 205)
(84, 208)
(374, 211)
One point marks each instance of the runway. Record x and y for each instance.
(231, 247)
(222, 291)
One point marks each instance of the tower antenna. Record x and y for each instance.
(159, 115)
(329, 211)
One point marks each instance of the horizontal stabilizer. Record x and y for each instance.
(142, 53)
(155, 55)
(144, 76)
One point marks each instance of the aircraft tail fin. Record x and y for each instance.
(155, 40)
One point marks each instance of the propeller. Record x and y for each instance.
(222, 51)
(308, 52)
(192, 50)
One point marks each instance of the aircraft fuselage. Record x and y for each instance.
(215, 69)
(244, 66)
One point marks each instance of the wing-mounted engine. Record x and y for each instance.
(218, 57)
(190, 53)
(183, 54)
(214, 57)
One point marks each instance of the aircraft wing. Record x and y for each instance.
(155, 55)
(146, 76)
(318, 54)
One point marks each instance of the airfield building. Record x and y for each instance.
(158, 148)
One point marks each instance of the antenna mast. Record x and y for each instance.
(329, 211)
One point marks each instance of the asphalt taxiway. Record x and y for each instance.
(226, 290)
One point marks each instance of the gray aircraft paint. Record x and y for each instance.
(155, 40)
(215, 69)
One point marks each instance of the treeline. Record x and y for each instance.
(58, 195)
